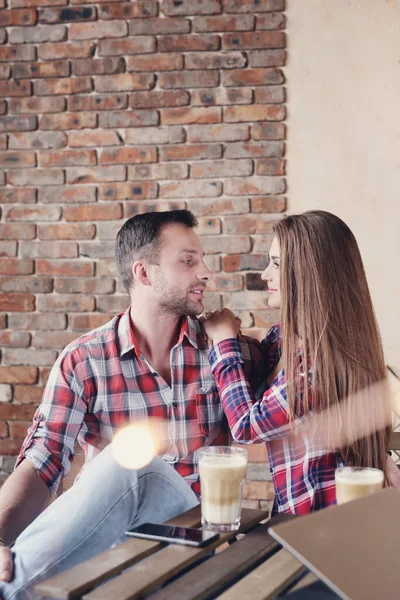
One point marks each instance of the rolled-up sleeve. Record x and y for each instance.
(49, 443)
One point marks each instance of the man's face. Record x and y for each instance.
(179, 279)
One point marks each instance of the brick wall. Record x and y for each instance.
(114, 108)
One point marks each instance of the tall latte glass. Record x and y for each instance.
(222, 471)
(355, 482)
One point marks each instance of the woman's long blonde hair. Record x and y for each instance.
(326, 307)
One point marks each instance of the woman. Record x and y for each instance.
(326, 348)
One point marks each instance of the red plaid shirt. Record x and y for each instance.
(304, 478)
(101, 381)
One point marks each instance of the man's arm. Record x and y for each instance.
(23, 496)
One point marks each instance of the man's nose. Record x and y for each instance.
(205, 273)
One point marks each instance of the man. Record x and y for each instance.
(150, 361)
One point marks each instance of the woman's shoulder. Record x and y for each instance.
(273, 336)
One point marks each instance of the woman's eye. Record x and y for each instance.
(276, 265)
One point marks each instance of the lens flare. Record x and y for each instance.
(134, 446)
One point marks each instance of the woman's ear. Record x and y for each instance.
(140, 272)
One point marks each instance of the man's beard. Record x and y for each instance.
(176, 301)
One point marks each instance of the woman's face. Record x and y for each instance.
(271, 275)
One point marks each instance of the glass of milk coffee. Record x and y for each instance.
(222, 471)
(356, 482)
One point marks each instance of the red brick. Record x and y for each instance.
(132, 45)
(53, 339)
(67, 195)
(227, 244)
(215, 60)
(78, 120)
(44, 375)
(87, 322)
(246, 300)
(96, 138)
(5, 72)
(12, 196)
(94, 175)
(107, 267)
(71, 268)
(128, 191)
(255, 186)
(108, 231)
(3, 32)
(250, 6)
(51, 249)
(37, 140)
(188, 7)
(131, 118)
(66, 231)
(65, 15)
(217, 133)
(225, 283)
(95, 285)
(38, 322)
(250, 77)
(139, 154)
(36, 105)
(252, 149)
(145, 206)
(255, 112)
(37, 34)
(209, 226)
(17, 159)
(16, 375)
(190, 151)
(15, 53)
(124, 81)
(128, 10)
(159, 171)
(16, 302)
(3, 321)
(64, 303)
(154, 62)
(268, 204)
(221, 96)
(97, 66)
(254, 282)
(93, 212)
(66, 50)
(269, 95)
(6, 392)
(158, 26)
(28, 394)
(49, 87)
(156, 99)
(188, 43)
(182, 116)
(273, 20)
(9, 447)
(250, 224)
(155, 135)
(26, 285)
(29, 356)
(20, 123)
(267, 58)
(190, 189)
(253, 39)
(18, 429)
(34, 3)
(219, 206)
(16, 266)
(8, 248)
(36, 70)
(112, 304)
(97, 102)
(58, 158)
(188, 79)
(223, 23)
(17, 231)
(35, 177)
(3, 110)
(221, 168)
(270, 166)
(98, 30)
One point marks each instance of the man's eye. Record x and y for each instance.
(188, 261)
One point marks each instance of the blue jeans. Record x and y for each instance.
(92, 516)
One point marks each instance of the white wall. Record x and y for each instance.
(343, 147)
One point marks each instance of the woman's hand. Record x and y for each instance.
(221, 324)
(393, 473)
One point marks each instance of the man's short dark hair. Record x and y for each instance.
(139, 239)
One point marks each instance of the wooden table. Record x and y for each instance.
(254, 566)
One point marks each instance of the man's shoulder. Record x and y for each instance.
(98, 337)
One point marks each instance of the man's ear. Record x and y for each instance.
(140, 273)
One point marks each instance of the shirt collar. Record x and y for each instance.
(190, 328)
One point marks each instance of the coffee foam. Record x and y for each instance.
(366, 477)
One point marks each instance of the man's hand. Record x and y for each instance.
(393, 473)
(6, 563)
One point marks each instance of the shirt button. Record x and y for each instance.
(174, 404)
